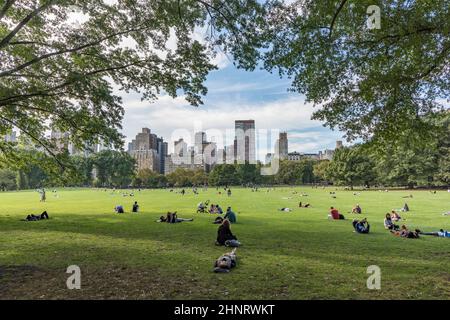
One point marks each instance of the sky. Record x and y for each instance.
(233, 94)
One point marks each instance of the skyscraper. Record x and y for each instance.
(199, 142)
(244, 142)
(283, 145)
(148, 150)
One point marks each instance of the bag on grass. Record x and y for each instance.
(232, 243)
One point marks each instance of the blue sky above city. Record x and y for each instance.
(233, 94)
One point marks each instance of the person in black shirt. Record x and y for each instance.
(135, 207)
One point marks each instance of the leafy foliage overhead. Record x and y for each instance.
(368, 81)
(60, 58)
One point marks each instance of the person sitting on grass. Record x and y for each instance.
(389, 224)
(32, 217)
(335, 215)
(119, 209)
(405, 233)
(135, 207)
(201, 208)
(171, 217)
(218, 220)
(361, 226)
(441, 233)
(225, 262)
(395, 216)
(230, 215)
(405, 208)
(300, 205)
(357, 209)
(224, 235)
(212, 209)
(219, 209)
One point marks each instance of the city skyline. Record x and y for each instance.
(233, 94)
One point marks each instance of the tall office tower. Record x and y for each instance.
(339, 144)
(180, 148)
(145, 140)
(229, 154)
(146, 148)
(221, 156)
(209, 154)
(199, 142)
(162, 151)
(245, 143)
(283, 145)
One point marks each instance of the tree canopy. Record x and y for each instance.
(61, 58)
(367, 81)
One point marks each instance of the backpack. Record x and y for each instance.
(232, 243)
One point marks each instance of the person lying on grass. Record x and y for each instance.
(361, 226)
(335, 215)
(300, 205)
(405, 233)
(32, 217)
(441, 233)
(285, 209)
(225, 262)
(224, 235)
(389, 224)
(230, 215)
(357, 209)
(171, 217)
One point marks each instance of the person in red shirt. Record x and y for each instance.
(335, 215)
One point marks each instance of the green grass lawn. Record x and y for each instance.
(296, 255)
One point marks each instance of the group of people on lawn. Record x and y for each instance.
(362, 226)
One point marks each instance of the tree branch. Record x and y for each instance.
(35, 139)
(5, 8)
(336, 15)
(30, 16)
(232, 29)
(55, 53)
(17, 98)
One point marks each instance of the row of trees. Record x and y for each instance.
(409, 161)
(104, 169)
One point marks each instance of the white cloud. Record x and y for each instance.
(167, 114)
